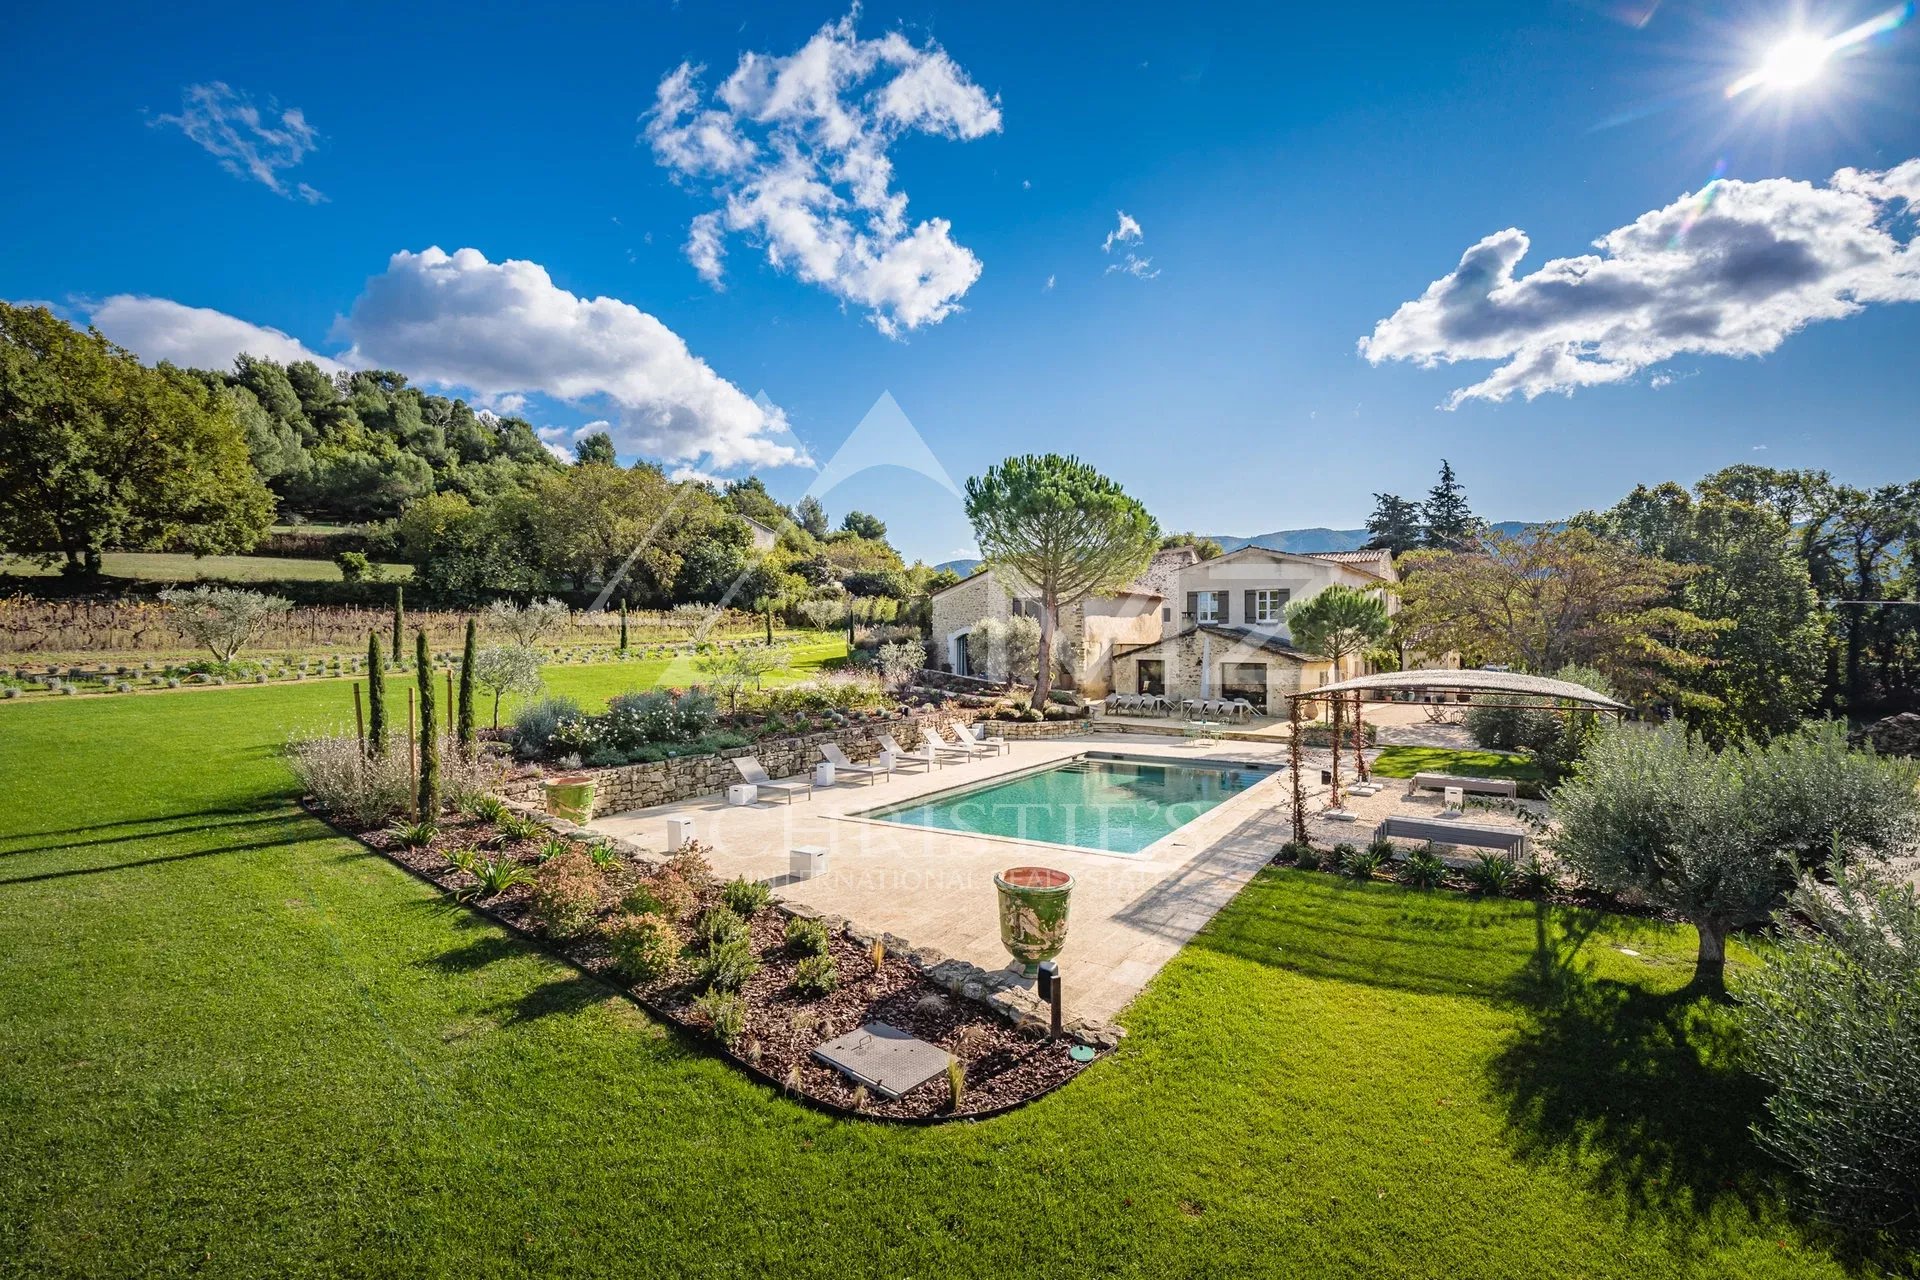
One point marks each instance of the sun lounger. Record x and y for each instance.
(997, 742)
(961, 740)
(905, 759)
(838, 759)
(750, 770)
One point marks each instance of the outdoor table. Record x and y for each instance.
(1201, 731)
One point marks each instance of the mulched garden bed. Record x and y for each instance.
(1005, 1067)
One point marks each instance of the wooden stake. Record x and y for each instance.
(1293, 751)
(359, 720)
(1359, 739)
(413, 753)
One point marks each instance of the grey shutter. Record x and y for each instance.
(1193, 605)
(1253, 610)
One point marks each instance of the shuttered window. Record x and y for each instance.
(1268, 605)
(1206, 606)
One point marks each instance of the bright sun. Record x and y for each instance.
(1795, 61)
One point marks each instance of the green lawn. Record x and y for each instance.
(233, 1043)
(1404, 762)
(157, 566)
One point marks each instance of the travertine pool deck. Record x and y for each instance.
(1130, 913)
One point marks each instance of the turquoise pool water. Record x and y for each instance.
(1114, 805)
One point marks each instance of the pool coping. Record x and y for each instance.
(1143, 854)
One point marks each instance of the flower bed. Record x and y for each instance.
(537, 876)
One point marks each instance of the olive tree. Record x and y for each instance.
(1064, 529)
(1005, 648)
(900, 659)
(1833, 1021)
(501, 669)
(1719, 837)
(224, 619)
(527, 624)
(736, 667)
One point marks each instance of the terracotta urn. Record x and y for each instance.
(570, 796)
(1033, 913)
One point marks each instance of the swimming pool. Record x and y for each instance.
(1114, 804)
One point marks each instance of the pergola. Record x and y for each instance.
(1565, 695)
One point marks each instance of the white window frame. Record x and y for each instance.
(1207, 606)
(1270, 605)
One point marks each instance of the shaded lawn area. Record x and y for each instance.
(1404, 762)
(233, 1043)
(163, 566)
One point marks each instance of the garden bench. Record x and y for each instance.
(1472, 786)
(1504, 839)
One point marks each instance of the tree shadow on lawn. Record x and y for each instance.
(1641, 1088)
(300, 837)
(192, 819)
(180, 824)
(475, 955)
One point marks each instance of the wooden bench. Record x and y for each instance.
(1472, 786)
(1505, 839)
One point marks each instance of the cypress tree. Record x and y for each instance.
(429, 732)
(623, 625)
(376, 697)
(469, 739)
(399, 620)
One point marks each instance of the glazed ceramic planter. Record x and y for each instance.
(570, 796)
(1033, 913)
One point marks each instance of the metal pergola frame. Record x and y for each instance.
(1342, 693)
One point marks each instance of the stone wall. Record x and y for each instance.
(642, 786)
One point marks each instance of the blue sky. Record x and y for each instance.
(1299, 177)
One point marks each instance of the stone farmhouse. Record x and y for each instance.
(1188, 628)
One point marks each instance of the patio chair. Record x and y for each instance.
(961, 740)
(750, 770)
(905, 759)
(838, 759)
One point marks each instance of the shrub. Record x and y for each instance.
(513, 829)
(674, 893)
(1344, 852)
(816, 975)
(354, 788)
(1383, 847)
(718, 926)
(1362, 863)
(691, 865)
(1492, 873)
(566, 895)
(746, 896)
(1423, 869)
(486, 808)
(551, 849)
(644, 946)
(726, 1015)
(1535, 880)
(728, 966)
(1306, 857)
(535, 725)
(492, 875)
(1834, 1027)
(808, 937)
(415, 835)
(1320, 734)
(603, 855)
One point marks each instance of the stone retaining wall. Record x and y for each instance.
(642, 786)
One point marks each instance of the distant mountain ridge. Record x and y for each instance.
(1298, 541)
(1303, 541)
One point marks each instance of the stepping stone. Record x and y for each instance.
(884, 1058)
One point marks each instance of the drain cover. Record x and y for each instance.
(884, 1058)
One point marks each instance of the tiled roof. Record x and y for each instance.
(1352, 557)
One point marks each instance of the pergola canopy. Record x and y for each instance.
(1444, 680)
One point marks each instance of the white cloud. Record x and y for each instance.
(1130, 263)
(795, 148)
(1048, 287)
(159, 329)
(503, 327)
(248, 142)
(1732, 270)
(500, 332)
